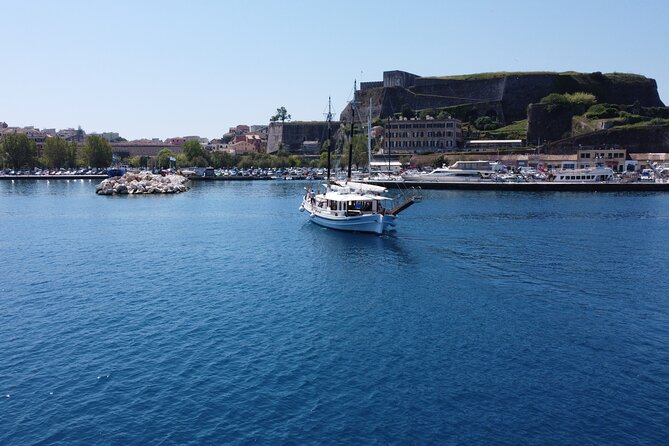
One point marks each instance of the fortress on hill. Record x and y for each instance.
(631, 112)
(505, 95)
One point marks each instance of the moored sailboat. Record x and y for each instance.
(351, 206)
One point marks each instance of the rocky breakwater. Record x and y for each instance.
(143, 183)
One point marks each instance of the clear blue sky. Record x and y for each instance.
(175, 68)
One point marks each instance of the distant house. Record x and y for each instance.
(254, 139)
(241, 147)
(216, 145)
(176, 141)
(70, 134)
(239, 130)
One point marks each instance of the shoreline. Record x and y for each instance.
(547, 186)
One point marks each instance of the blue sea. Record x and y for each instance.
(222, 316)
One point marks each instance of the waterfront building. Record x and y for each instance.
(422, 135)
(141, 148)
(610, 157)
(387, 167)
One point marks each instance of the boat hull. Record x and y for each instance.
(373, 223)
(443, 178)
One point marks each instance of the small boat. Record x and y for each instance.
(460, 171)
(116, 171)
(351, 206)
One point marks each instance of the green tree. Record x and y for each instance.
(407, 111)
(135, 161)
(281, 115)
(245, 162)
(193, 150)
(19, 150)
(222, 160)
(423, 114)
(487, 123)
(294, 161)
(55, 152)
(163, 158)
(71, 154)
(182, 160)
(97, 152)
(360, 158)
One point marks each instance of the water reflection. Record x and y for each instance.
(358, 247)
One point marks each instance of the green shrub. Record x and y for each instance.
(487, 123)
(658, 121)
(629, 118)
(601, 111)
(577, 102)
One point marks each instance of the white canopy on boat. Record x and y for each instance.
(338, 196)
(362, 187)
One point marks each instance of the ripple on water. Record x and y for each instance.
(223, 316)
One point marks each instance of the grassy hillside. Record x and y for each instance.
(580, 78)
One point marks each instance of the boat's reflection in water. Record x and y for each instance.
(359, 247)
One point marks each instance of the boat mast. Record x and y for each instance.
(350, 146)
(369, 137)
(388, 133)
(329, 120)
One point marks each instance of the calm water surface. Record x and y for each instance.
(222, 316)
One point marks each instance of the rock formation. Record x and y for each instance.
(143, 183)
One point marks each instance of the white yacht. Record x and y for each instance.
(592, 175)
(460, 171)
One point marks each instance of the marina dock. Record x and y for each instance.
(532, 186)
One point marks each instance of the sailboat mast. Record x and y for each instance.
(350, 146)
(329, 119)
(369, 137)
(388, 131)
